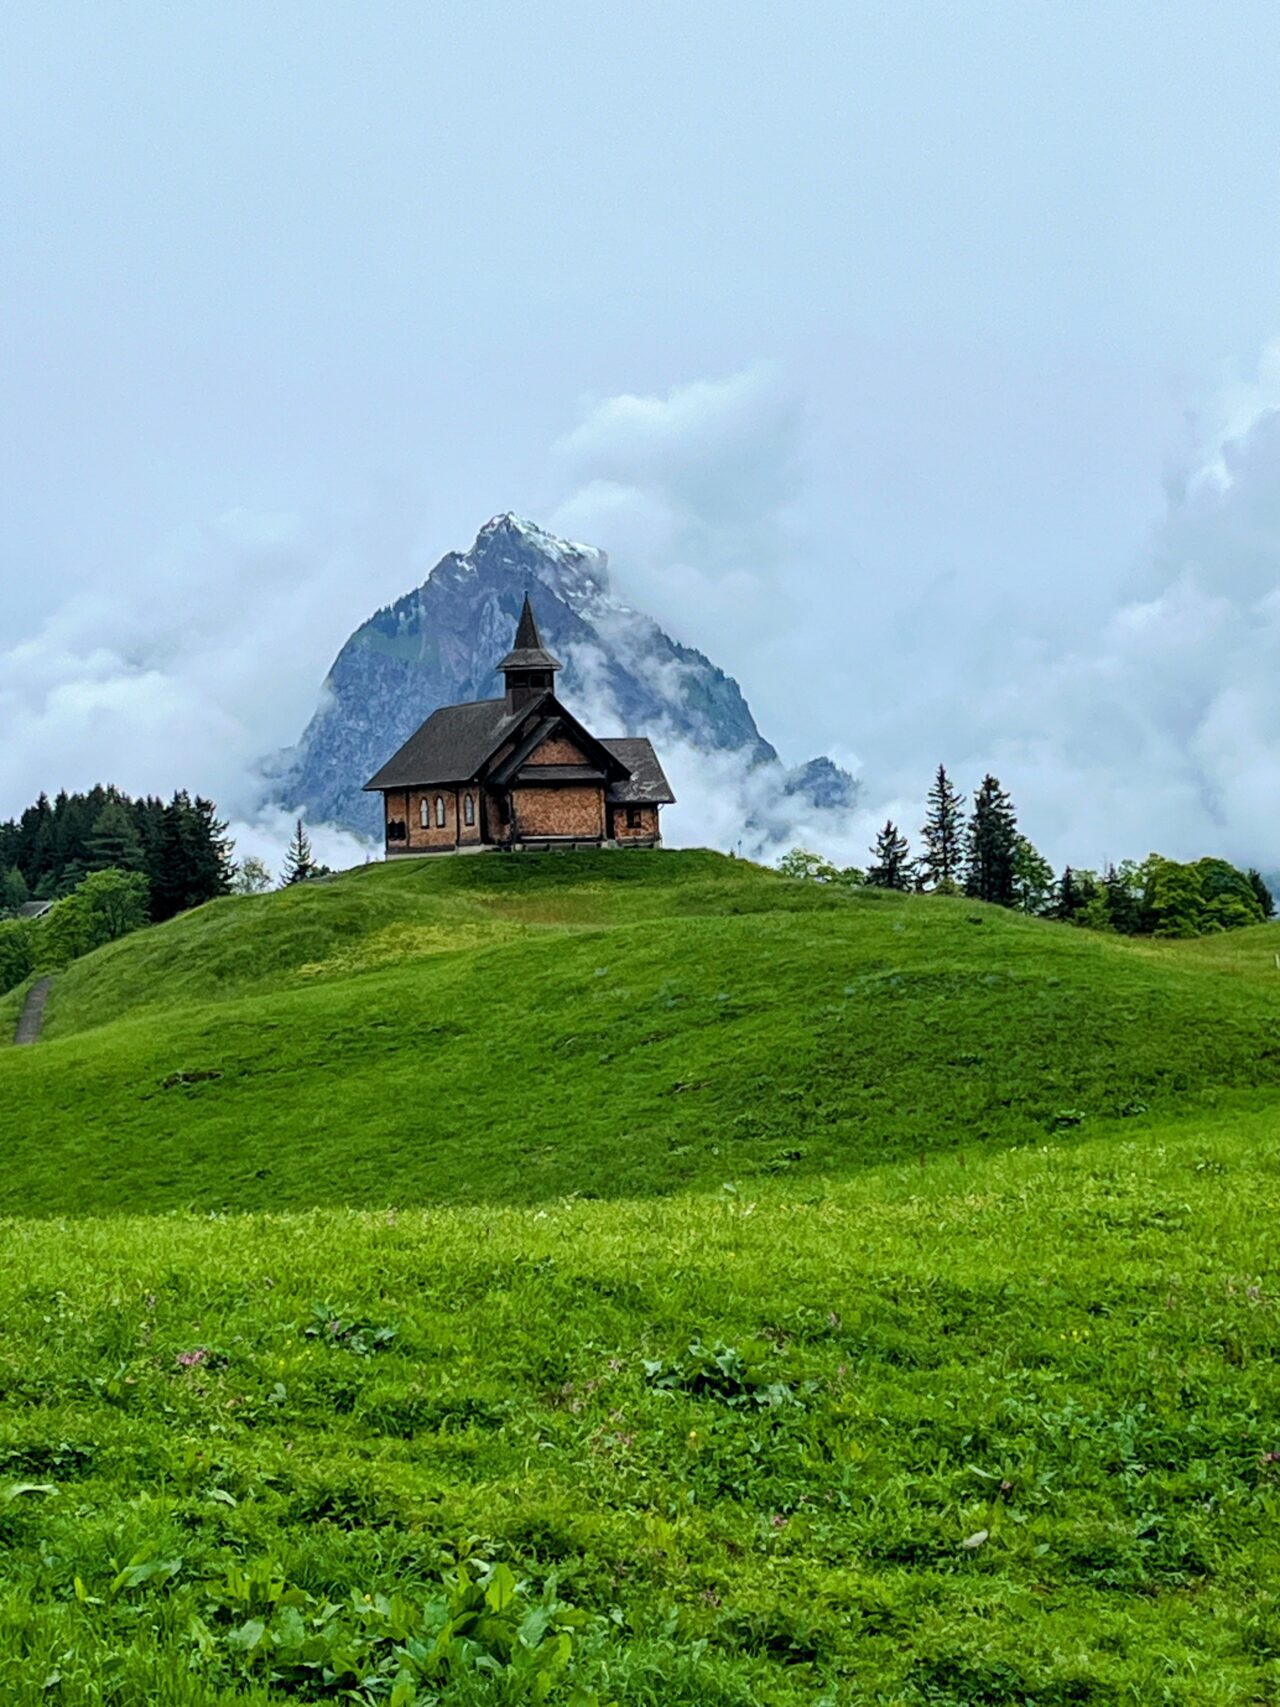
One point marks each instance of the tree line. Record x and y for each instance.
(180, 847)
(107, 865)
(984, 855)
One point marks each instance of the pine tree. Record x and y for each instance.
(991, 845)
(943, 835)
(1124, 904)
(114, 842)
(214, 866)
(1068, 903)
(891, 864)
(13, 891)
(172, 887)
(298, 861)
(1264, 896)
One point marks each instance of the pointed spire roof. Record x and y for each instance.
(529, 652)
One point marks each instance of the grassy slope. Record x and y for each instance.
(510, 1031)
(953, 1314)
(1072, 1349)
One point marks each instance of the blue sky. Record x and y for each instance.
(981, 285)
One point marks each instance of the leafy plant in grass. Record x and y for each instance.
(333, 1328)
(724, 1373)
(256, 1626)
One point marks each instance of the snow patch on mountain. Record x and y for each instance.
(623, 674)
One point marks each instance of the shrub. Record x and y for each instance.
(17, 952)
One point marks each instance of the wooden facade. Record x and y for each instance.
(519, 772)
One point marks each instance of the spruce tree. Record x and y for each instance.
(891, 863)
(1124, 904)
(991, 846)
(1264, 896)
(13, 891)
(214, 866)
(114, 842)
(298, 861)
(943, 835)
(1068, 901)
(171, 885)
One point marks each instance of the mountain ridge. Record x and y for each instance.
(438, 644)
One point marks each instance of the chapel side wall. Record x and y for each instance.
(495, 830)
(646, 831)
(468, 834)
(395, 810)
(434, 835)
(576, 810)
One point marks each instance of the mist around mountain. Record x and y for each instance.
(623, 674)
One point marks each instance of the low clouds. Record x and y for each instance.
(1165, 733)
(183, 678)
(1162, 731)
(689, 493)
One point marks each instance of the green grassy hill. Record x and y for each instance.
(919, 1348)
(510, 1031)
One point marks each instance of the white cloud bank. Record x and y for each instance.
(183, 678)
(1164, 732)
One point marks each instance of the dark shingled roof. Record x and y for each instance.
(559, 773)
(452, 744)
(529, 652)
(647, 784)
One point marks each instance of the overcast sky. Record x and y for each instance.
(913, 360)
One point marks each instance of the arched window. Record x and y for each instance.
(425, 813)
(439, 811)
(468, 809)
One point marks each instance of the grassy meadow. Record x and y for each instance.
(641, 1279)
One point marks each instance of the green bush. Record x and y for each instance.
(17, 952)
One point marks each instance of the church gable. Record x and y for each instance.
(520, 771)
(557, 749)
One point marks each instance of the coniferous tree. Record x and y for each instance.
(171, 888)
(1124, 905)
(298, 861)
(1068, 902)
(13, 890)
(35, 842)
(891, 863)
(991, 845)
(215, 867)
(114, 843)
(1264, 896)
(943, 834)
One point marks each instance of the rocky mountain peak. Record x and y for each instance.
(440, 643)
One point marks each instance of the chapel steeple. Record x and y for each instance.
(529, 668)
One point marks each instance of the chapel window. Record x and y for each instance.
(468, 809)
(634, 818)
(440, 811)
(424, 813)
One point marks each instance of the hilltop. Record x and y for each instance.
(764, 1295)
(514, 1029)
